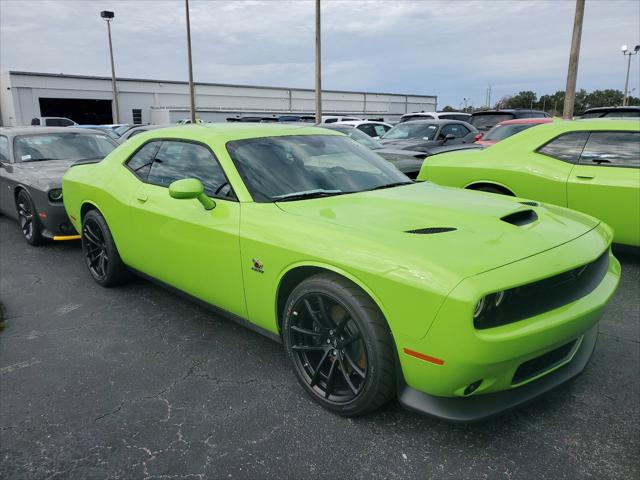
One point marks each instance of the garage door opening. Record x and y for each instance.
(80, 110)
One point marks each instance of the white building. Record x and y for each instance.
(88, 100)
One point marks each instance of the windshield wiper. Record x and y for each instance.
(390, 185)
(308, 194)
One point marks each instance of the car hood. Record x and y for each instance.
(44, 174)
(407, 161)
(481, 240)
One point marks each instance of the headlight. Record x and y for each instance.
(488, 307)
(480, 306)
(55, 195)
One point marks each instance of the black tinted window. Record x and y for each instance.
(369, 129)
(176, 160)
(629, 113)
(141, 162)
(617, 149)
(454, 129)
(567, 147)
(35, 121)
(58, 122)
(4, 149)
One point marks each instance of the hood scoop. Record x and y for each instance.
(521, 218)
(431, 230)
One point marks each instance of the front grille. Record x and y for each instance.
(538, 297)
(541, 364)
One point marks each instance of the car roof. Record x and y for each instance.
(18, 131)
(436, 121)
(360, 122)
(519, 121)
(628, 108)
(238, 130)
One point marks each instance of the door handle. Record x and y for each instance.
(142, 197)
(586, 177)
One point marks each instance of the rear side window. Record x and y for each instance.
(567, 147)
(140, 163)
(176, 160)
(454, 129)
(58, 122)
(35, 121)
(612, 149)
(368, 128)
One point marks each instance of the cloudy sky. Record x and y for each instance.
(453, 49)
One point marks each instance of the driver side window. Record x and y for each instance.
(163, 162)
(454, 129)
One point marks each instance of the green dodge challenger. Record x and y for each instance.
(460, 303)
(592, 166)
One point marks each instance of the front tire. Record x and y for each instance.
(340, 345)
(100, 252)
(28, 218)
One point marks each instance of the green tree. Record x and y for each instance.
(526, 99)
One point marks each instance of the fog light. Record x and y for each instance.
(472, 387)
(55, 195)
(63, 227)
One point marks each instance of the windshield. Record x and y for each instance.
(418, 130)
(62, 146)
(484, 121)
(307, 166)
(357, 135)
(500, 132)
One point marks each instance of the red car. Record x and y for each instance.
(509, 127)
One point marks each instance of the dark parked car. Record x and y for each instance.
(32, 162)
(136, 129)
(408, 162)
(612, 112)
(421, 135)
(487, 119)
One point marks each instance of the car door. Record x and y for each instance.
(179, 242)
(6, 199)
(606, 182)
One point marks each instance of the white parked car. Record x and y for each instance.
(337, 118)
(372, 128)
(52, 122)
(461, 116)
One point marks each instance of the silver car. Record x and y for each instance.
(32, 162)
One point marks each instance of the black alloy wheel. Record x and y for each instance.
(28, 218)
(100, 252)
(328, 348)
(95, 249)
(339, 344)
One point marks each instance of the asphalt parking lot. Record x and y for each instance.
(136, 382)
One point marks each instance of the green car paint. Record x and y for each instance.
(515, 165)
(426, 285)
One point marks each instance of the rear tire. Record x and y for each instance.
(340, 345)
(100, 252)
(28, 219)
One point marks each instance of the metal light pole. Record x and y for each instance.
(572, 74)
(192, 97)
(108, 16)
(625, 51)
(318, 67)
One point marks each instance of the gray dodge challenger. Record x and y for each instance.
(32, 162)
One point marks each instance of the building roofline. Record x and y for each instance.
(178, 82)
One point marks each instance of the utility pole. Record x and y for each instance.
(108, 16)
(572, 74)
(318, 66)
(626, 52)
(192, 97)
(489, 97)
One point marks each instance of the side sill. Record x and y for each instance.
(212, 308)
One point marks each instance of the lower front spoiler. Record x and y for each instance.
(475, 408)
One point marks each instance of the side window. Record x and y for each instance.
(4, 149)
(141, 162)
(368, 129)
(567, 147)
(176, 160)
(35, 121)
(454, 129)
(613, 149)
(380, 130)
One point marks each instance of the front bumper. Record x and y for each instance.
(53, 218)
(475, 408)
(481, 370)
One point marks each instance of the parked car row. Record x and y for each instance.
(309, 236)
